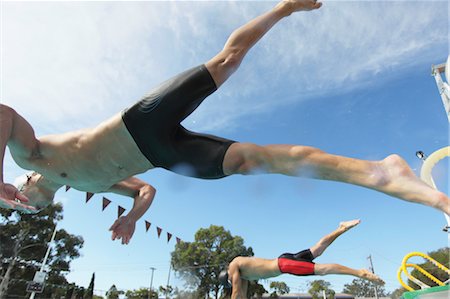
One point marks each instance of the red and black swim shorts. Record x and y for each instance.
(300, 264)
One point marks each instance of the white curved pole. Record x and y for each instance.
(427, 167)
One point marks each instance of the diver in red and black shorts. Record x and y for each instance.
(242, 269)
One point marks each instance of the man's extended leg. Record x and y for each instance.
(323, 243)
(325, 269)
(224, 64)
(391, 175)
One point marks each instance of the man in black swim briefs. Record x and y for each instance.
(107, 157)
(242, 269)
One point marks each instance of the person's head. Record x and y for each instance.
(224, 279)
(30, 185)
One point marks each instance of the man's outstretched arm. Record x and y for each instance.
(239, 290)
(143, 194)
(18, 134)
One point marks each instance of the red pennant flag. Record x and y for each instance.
(89, 196)
(106, 203)
(67, 188)
(169, 236)
(159, 231)
(120, 211)
(147, 225)
(178, 240)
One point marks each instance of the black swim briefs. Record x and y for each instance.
(154, 124)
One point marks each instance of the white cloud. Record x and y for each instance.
(72, 64)
(343, 46)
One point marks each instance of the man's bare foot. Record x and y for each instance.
(292, 6)
(366, 274)
(346, 225)
(396, 178)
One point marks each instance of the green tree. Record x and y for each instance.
(279, 288)
(23, 243)
(69, 291)
(141, 293)
(254, 288)
(113, 292)
(273, 295)
(363, 288)
(90, 290)
(442, 256)
(79, 292)
(166, 290)
(200, 262)
(185, 294)
(317, 287)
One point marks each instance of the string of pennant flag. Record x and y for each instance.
(120, 210)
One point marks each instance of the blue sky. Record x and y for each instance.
(352, 79)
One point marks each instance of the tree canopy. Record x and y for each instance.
(23, 243)
(363, 288)
(316, 288)
(279, 288)
(141, 293)
(254, 288)
(113, 292)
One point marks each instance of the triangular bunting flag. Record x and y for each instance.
(169, 236)
(67, 188)
(120, 211)
(106, 203)
(178, 240)
(147, 225)
(159, 231)
(89, 196)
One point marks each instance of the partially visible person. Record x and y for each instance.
(243, 269)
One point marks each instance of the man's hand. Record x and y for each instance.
(143, 194)
(11, 198)
(123, 228)
(299, 5)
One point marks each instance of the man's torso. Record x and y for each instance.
(253, 268)
(91, 159)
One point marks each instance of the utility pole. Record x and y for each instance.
(45, 257)
(168, 282)
(151, 283)
(373, 271)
